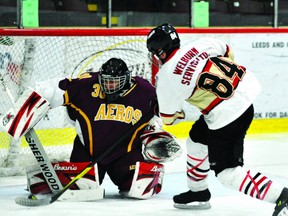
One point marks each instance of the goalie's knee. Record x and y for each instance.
(147, 180)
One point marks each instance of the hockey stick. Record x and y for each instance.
(31, 137)
(34, 202)
(43, 161)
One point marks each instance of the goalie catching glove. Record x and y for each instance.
(159, 145)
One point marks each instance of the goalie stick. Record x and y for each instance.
(35, 145)
(43, 161)
(19, 121)
(30, 136)
(34, 202)
(37, 149)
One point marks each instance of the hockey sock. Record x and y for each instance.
(250, 183)
(197, 166)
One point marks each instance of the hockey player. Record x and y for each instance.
(104, 106)
(204, 73)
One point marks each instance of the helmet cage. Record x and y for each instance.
(112, 84)
(155, 60)
(157, 52)
(114, 76)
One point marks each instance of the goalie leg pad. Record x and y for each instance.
(66, 171)
(147, 180)
(26, 112)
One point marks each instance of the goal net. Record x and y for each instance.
(29, 56)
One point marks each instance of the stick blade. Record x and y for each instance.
(32, 202)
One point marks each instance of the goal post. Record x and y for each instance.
(28, 56)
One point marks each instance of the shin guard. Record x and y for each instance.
(147, 180)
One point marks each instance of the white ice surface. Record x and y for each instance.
(264, 153)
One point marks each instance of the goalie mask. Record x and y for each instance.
(114, 77)
(163, 38)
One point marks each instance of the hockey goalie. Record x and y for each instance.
(105, 107)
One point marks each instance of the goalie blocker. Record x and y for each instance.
(25, 113)
(147, 181)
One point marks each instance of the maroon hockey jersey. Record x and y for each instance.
(102, 123)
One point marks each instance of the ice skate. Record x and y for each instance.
(281, 208)
(193, 200)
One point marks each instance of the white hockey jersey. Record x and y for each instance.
(204, 74)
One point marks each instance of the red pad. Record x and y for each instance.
(65, 171)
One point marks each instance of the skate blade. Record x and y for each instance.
(193, 205)
(283, 212)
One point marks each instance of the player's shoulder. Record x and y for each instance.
(142, 85)
(86, 77)
(141, 82)
(81, 80)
